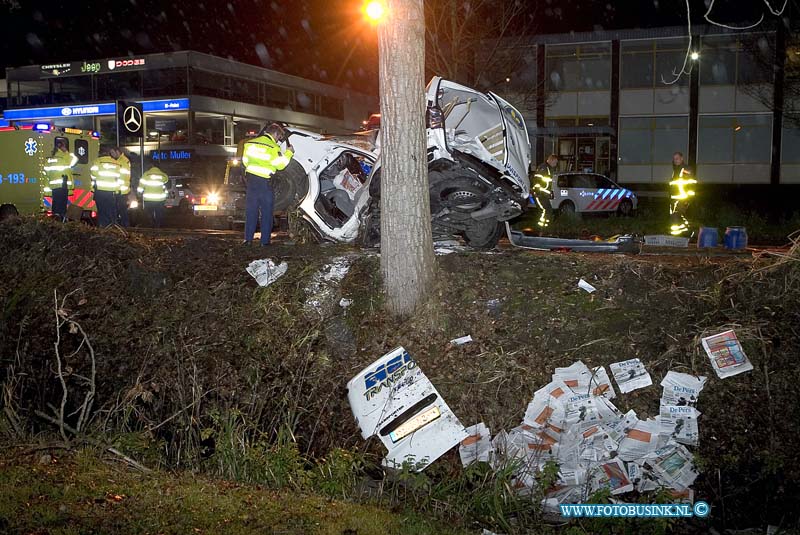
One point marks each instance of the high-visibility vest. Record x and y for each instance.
(262, 156)
(124, 175)
(544, 178)
(57, 168)
(105, 173)
(153, 185)
(683, 185)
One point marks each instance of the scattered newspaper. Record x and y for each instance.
(680, 423)
(726, 354)
(265, 272)
(641, 441)
(630, 375)
(674, 466)
(611, 475)
(477, 447)
(681, 388)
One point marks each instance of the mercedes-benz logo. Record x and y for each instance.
(132, 118)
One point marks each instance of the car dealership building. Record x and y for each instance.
(197, 107)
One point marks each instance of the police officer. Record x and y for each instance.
(105, 173)
(58, 170)
(124, 186)
(682, 184)
(543, 187)
(153, 188)
(262, 158)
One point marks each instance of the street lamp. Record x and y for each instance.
(375, 11)
(695, 56)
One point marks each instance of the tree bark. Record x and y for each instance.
(407, 260)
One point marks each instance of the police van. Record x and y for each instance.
(591, 193)
(24, 150)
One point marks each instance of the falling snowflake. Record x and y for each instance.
(30, 147)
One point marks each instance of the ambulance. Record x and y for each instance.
(24, 150)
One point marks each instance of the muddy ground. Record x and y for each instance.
(183, 338)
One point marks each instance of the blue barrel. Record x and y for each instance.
(707, 237)
(735, 238)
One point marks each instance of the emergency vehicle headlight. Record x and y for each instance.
(213, 198)
(41, 127)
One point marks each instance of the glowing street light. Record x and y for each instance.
(375, 10)
(695, 56)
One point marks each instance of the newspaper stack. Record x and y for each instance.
(726, 354)
(572, 422)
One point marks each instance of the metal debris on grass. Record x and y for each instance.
(583, 285)
(461, 340)
(392, 399)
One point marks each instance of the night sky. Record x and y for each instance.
(326, 40)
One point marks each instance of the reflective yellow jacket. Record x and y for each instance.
(153, 185)
(105, 173)
(124, 174)
(58, 169)
(262, 156)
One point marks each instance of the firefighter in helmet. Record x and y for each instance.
(263, 155)
(681, 195)
(543, 187)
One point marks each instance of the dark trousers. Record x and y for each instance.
(60, 202)
(259, 201)
(106, 208)
(122, 210)
(154, 211)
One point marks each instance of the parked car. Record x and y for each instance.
(591, 193)
(182, 193)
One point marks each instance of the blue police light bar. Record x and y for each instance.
(4, 123)
(42, 127)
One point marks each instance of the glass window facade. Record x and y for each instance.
(725, 139)
(736, 59)
(649, 64)
(652, 140)
(578, 67)
(790, 152)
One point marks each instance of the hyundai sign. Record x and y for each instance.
(89, 110)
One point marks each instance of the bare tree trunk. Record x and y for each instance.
(407, 261)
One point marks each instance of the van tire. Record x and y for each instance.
(7, 211)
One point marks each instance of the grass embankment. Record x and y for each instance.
(199, 369)
(66, 494)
